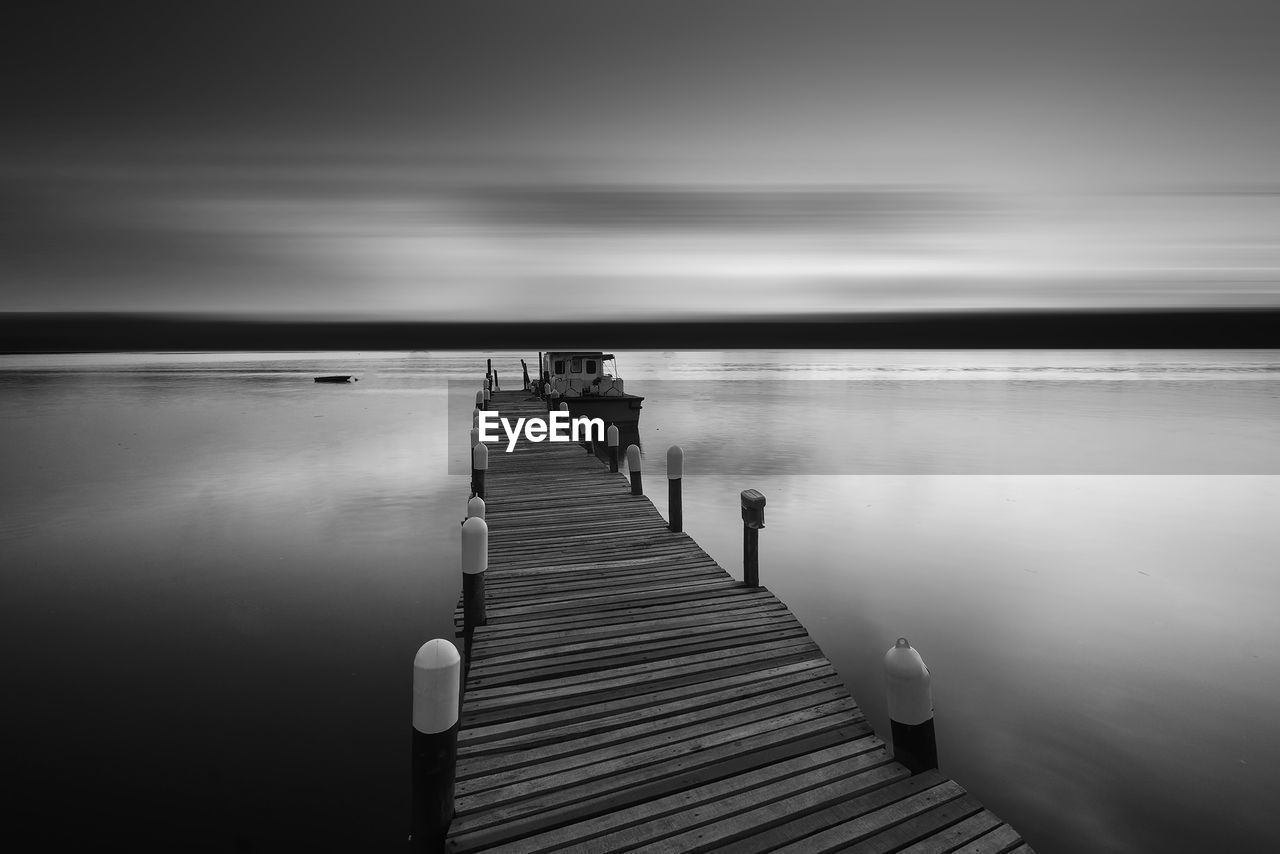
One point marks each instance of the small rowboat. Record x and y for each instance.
(344, 378)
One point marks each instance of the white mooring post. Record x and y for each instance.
(611, 439)
(480, 398)
(479, 465)
(475, 560)
(475, 507)
(910, 708)
(633, 466)
(675, 472)
(437, 681)
(471, 454)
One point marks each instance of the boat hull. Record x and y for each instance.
(622, 411)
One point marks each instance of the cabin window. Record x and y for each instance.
(559, 366)
(591, 366)
(576, 366)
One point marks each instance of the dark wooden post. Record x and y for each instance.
(910, 708)
(633, 466)
(675, 472)
(752, 522)
(437, 679)
(611, 437)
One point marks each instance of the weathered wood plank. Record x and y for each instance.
(480, 696)
(999, 841)
(573, 752)
(618, 711)
(957, 835)
(505, 788)
(922, 825)
(553, 807)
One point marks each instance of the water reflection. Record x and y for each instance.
(232, 566)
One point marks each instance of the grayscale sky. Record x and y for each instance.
(579, 159)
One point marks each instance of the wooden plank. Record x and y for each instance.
(556, 807)
(588, 665)
(658, 717)
(617, 711)
(536, 631)
(521, 705)
(644, 792)
(871, 823)
(571, 752)
(921, 826)
(999, 841)
(807, 769)
(858, 796)
(470, 795)
(655, 638)
(480, 696)
(698, 826)
(957, 835)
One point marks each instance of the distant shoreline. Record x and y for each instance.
(1195, 329)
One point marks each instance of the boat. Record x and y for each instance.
(338, 378)
(588, 381)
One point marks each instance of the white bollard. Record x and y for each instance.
(633, 466)
(475, 560)
(611, 439)
(480, 398)
(479, 465)
(910, 708)
(437, 682)
(475, 507)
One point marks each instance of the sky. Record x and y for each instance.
(451, 160)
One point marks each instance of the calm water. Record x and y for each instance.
(216, 573)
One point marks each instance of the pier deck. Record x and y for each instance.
(628, 693)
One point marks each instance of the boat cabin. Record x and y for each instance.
(581, 373)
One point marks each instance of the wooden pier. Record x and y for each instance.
(627, 694)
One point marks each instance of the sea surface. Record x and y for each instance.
(216, 573)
